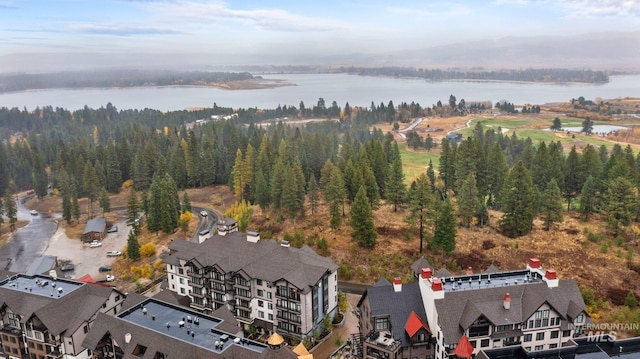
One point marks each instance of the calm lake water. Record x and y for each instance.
(342, 88)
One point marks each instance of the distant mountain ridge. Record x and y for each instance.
(599, 51)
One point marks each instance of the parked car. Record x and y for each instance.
(114, 254)
(95, 244)
(34, 212)
(204, 213)
(104, 269)
(110, 278)
(112, 229)
(68, 267)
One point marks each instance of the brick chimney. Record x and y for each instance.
(506, 301)
(397, 284)
(425, 273)
(469, 270)
(534, 263)
(436, 285)
(551, 278)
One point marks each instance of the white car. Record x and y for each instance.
(110, 278)
(114, 254)
(95, 244)
(34, 212)
(204, 213)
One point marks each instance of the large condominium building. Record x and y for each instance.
(46, 317)
(474, 312)
(269, 286)
(156, 329)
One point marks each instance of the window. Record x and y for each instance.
(421, 339)
(260, 293)
(260, 304)
(382, 324)
(139, 350)
(527, 337)
(555, 334)
(270, 316)
(181, 290)
(85, 329)
(545, 313)
(527, 349)
(261, 314)
(269, 306)
(580, 318)
(553, 346)
(117, 298)
(483, 343)
(269, 295)
(540, 336)
(180, 271)
(566, 333)
(539, 347)
(173, 286)
(181, 280)
(473, 343)
(259, 281)
(172, 276)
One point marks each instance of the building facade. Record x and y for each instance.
(466, 314)
(269, 286)
(46, 317)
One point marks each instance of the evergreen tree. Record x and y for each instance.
(186, 202)
(396, 190)
(10, 209)
(444, 235)
(113, 173)
(105, 202)
(75, 207)
(556, 125)
(66, 207)
(588, 198)
(587, 126)
(239, 175)
(446, 168)
(364, 232)
(133, 247)
(496, 176)
(551, 204)
(468, 201)
(313, 192)
(133, 207)
(334, 196)
(261, 190)
(420, 200)
(39, 173)
(518, 202)
(90, 186)
(431, 175)
(572, 176)
(619, 204)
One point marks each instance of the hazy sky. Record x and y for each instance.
(293, 27)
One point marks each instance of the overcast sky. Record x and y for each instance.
(293, 27)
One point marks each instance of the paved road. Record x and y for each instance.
(209, 222)
(28, 242)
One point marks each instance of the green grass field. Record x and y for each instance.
(415, 162)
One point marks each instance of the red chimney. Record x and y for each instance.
(469, 270)
(534, 263)
(436, 284)
(397, 284)
(551, 274)
(426, 273)
(506, 301)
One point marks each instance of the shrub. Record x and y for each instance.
(323, 247)
(158, 265)
(344, 272)
(595, 237)
(604, 248)
(631, 301)
(629, 253)
(147, 250)
(619, 241)
(146, 271)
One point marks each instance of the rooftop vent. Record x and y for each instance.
(285, 244)
(506, 302)
(253, 237)
(127, 338)
(397, 284)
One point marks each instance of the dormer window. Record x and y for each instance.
(580, 318)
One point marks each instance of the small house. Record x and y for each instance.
(95, 230)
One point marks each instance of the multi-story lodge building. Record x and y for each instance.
(47, 317)
(269, 286)
(474, 312)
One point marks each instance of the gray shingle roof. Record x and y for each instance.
(266, 260)
(417, 266)
(384, 301)
(95, 225)
(459, 309)
(443, 273)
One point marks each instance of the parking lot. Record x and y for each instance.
(85, 259)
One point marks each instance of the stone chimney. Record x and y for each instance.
(397, 284)
(425, 273)
(506, 301)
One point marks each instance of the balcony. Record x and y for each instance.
(382, 340)
(291, 319)
(11, 330)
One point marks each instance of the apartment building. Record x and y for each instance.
(152, 328)
(530, 308)
(47, 317)
(269, 286)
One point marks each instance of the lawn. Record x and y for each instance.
(415, 162)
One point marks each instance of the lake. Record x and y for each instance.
(342, 88)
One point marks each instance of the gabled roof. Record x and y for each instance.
(443, 273)
(464, 349)
(398, 306)
(414, 323)
(417, 266)
(95, 225)
(266, 259)
(463, 307)
(491, 269)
